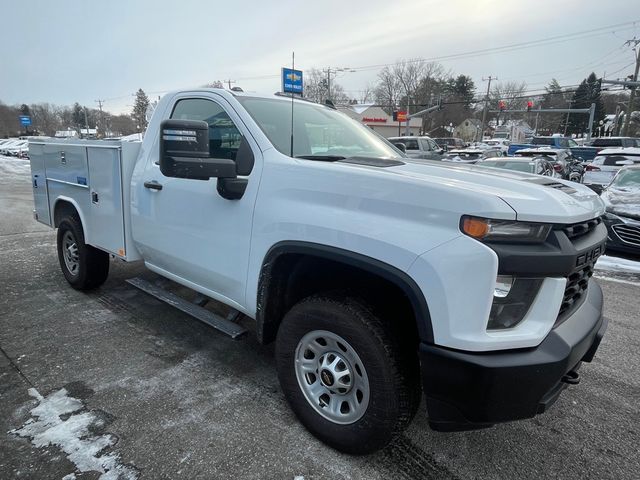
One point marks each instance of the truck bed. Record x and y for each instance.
(95, 177)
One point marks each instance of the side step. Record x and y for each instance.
(216, 321)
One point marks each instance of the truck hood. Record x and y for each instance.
(533, 197)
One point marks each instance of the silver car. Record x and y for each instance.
(419, 147)
(607, 163)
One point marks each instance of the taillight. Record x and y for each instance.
(557, 167)
(592, 168)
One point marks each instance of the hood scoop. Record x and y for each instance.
(548, 182)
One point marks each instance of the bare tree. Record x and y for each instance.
(317, 85)
(367, 94)
(388, 91)
(44, 118)
(214, 84)
(511, 93)
(409, 74)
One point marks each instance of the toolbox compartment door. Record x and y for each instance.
(39, 184)
(106, 216)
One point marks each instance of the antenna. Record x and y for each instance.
(293, 67)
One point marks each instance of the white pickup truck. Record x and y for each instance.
(377, 278)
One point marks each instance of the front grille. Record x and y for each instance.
(628, 233)
(574, 293)
(578, 229)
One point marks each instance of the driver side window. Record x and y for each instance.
(224, 137)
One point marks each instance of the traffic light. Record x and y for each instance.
(529, 105)
(502, 106)
(395, 115)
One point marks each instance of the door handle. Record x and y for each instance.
(153, 185)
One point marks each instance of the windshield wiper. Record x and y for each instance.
(323, 158)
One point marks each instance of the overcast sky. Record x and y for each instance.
(65, 51)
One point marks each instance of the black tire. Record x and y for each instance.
(92, 264)
(394, 385)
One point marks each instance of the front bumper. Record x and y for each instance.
(474, 390)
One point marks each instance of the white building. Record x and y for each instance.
(377, 119)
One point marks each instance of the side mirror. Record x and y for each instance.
(184, 152)
(400, 146)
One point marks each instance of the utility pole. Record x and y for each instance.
(86, 122)
(229, 82)
(327, 82)
(634, 41)
(333, 71)
(100, 102)
(486, 106)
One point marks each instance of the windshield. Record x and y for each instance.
(627, 179)
(527, 167)
(318, 130)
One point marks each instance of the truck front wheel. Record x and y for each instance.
(84, 266)
(344, 375)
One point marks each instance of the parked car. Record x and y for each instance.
(611, 142)
(604, 167)
(560, 158)
(16, 149)
(537, 165)
(559, 142)
(471, 155)
(622, 200)
(501, 143)
(450, 142)
(10, 143)
(419, 147)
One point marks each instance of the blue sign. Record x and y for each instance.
(291, 80)
(25, 120)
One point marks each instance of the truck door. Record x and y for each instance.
(183, 226)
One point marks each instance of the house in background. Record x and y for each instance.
(468, 130)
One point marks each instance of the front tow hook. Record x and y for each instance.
(571, 377)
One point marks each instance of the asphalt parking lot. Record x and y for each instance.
(173, 398)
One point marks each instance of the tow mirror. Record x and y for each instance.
(400, 146)
(184, 152)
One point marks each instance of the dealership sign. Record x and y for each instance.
(25, 120)
(374, 119)
(291, 80)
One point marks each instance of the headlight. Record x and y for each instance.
(488, 230)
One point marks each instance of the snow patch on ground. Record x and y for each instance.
(61, 421)
(14, 167)
(615, 264)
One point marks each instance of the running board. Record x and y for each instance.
(216, 321)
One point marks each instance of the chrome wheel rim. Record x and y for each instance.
(70, 253)
(332, 377)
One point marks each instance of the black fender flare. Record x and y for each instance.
(266, 332)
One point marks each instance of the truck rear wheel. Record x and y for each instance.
(84, 266)
(344, 375)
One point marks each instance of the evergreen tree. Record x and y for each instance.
(554, 97)
(140, 110)
(588, 92)
(77, 116)
(462, 89)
